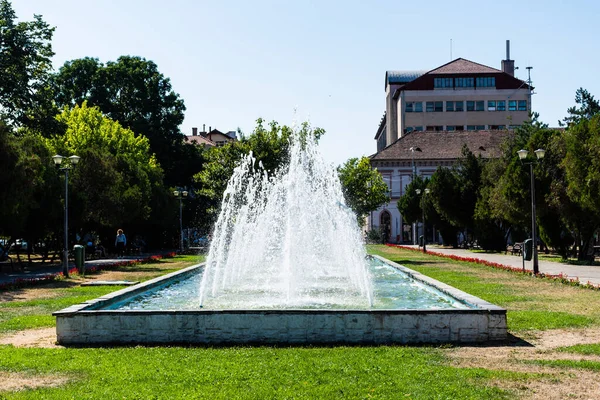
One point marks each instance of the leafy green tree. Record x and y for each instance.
(409, 204)
(25, 66)
(133, 92)
(581, 165)
(30, 195)
(363, 187)
(117, 177)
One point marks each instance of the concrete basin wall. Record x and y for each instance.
(88, 324)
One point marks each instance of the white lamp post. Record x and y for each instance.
(180, 195)
(539, 153)
(70, 163)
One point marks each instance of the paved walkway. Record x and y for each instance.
(41, 272)
(584, 273)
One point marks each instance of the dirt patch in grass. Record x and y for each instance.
(45, 337)
(557, 383)
(11, 381)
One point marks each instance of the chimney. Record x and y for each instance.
(203, 127)
(209, 129)
(194, 131)
(508, 65)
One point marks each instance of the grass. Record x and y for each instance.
(532, 304)
(585, 349)
(302, 372)
(33, 307)
(253, 373)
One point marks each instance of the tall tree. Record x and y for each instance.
(116, 179)
(586, 107)
(25, 65)
(134, 92)
(363, 187)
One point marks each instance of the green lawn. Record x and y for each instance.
(303, 372)
(531, 303)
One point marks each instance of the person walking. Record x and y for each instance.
(120, 243)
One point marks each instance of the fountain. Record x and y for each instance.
(286, 265)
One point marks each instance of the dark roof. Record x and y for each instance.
(463, 66)
(443, 145)
(402, 76)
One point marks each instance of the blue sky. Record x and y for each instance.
(325, 61)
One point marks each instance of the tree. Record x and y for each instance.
(581, 165)
(363, 187)
(409, 204)
(30, 195)
(587, 107)
(117, 177)
(25, 65)
(133, 92)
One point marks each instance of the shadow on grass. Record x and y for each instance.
(16, 294)
(408, 261)
(511, 341)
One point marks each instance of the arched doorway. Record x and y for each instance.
(385, 224)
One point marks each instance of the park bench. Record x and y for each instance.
(5, 259)
(515, 249)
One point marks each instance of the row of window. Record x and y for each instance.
(452, 128)
(463, 82)
(458, 106)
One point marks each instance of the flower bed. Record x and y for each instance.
(25, 282)
(562, 278)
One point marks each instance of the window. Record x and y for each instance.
(418, 106)
(512, 105)
(470, 106)
(501, 105)
(449, 106)
(439, 106)
(459, 106)
(460, 127)
(419, 128)
(429, 106)
(497, 127)
(409, 107)
(491, 105)
(409, 129)
(436, 128)
(442, 83)
(513, 126)
(486, 82)
(522, 105)
(450, 128)
(475, 127)
(479, 105)
(464, 82)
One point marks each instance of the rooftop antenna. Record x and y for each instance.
(529, 84)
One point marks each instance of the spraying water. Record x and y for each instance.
(286, 240)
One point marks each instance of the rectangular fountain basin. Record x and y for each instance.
(94, 322)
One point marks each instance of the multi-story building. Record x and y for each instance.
(459, 95)
(431, 115)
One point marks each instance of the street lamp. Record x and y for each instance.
(423, 211)
(180, 195)
(413, 176)
(539, 153)
(412, 150)
(69, 163)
